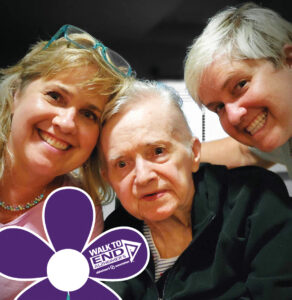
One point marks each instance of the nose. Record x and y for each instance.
(144, 172)
(65, 120)
(234, 113)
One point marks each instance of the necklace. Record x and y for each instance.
(22, 207)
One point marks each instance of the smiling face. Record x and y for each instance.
(252, 98)
(55, 123)
(147, 162)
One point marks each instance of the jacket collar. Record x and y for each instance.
(206, 202)
(208, 195)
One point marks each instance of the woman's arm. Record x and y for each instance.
(231, 153)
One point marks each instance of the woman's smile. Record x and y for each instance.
(63, 121)
(257, 123)
(53, 141)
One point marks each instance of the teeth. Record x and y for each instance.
(53, 142)
(258, 123)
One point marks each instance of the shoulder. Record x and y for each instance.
(245, 186)
(250, 200)
(240, 177)
(280, 154)
(258, 178)
(260, 196)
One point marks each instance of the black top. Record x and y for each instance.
(242, 241)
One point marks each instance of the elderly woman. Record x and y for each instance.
(51, 103)
(213, 233)
(240, 67)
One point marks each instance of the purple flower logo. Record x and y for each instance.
(68, 266)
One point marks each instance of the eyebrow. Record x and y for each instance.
(62, 88)
(223, 86)
(117, 157)
(67, 92)
(159, 143)
(112, 160)
(226, 82)
(93, 107)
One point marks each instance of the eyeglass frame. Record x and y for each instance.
(62, 32)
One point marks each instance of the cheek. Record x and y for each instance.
(88, 137)
(19, 128)
(225, 123)
(124, 192)
(122, 189)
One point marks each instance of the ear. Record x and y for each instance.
(196, 154)
(287, 49)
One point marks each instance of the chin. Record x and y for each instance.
(270, 145)
(45, 169)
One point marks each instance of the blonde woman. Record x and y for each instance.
(50, 105)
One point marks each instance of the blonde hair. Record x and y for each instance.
(41, 62)
(245, 32)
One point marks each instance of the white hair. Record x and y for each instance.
(245, 32)
(138, 90)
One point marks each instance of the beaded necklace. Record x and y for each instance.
(22, 207)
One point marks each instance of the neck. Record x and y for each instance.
(20, 185)
(17, 188)
(171, 236)
(17, 192)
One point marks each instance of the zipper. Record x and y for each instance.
(153, 283)
(172, 270)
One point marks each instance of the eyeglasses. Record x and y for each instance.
(112, 58)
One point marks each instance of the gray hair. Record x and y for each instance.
(138, 90)
(245, 32)
(141, 91)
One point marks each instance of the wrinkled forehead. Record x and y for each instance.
(145, 123)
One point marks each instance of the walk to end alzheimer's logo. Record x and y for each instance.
(113, 255)
(118, 253)
(68, 266)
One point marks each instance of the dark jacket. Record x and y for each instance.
(242, 241)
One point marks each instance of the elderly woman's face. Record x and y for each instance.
(149, 169)
(55, 123)
(252, 99)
